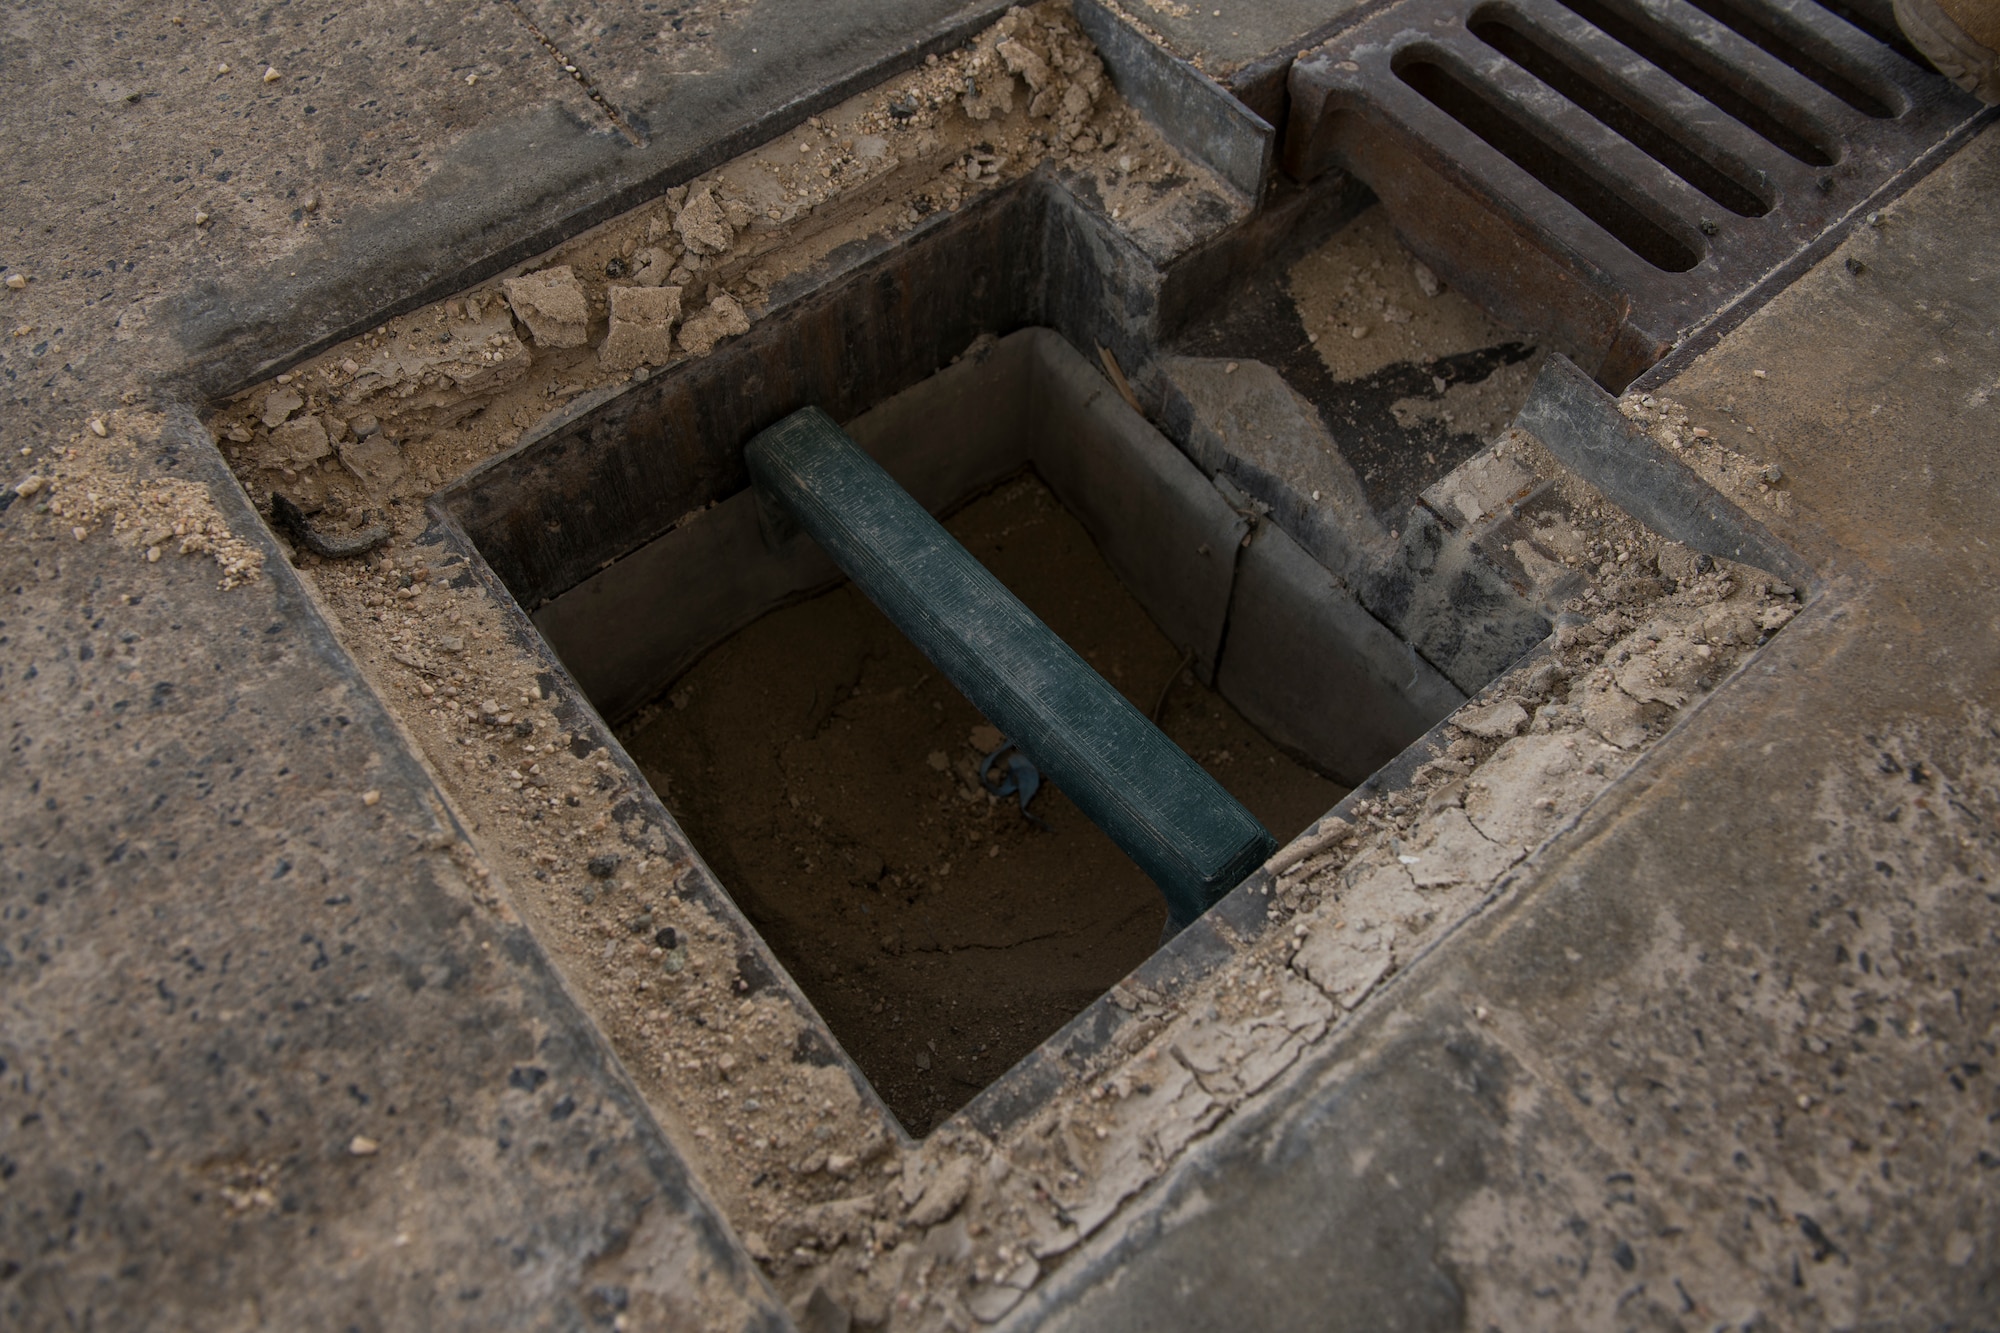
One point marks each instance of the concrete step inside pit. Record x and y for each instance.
(378, 950)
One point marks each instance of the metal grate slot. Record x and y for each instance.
(1799, 49)
(1877, 18)
(1514, 136)
(1616, 173)
(1574, 76)
(1784, 125)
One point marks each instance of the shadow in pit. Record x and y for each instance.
(1394, 456)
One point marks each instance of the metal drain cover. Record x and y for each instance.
(1611, 173)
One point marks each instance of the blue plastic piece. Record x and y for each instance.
(1193, 839)
(1022, 780)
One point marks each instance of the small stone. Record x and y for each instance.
(642, 327)
(1493, 722)
(937, 759)
(97, 427)
(362, 1146)
(200, 218)
(371, 797)
(365, 425)
(1358, 332)
(1758, 374)
(551, 303)
(17, 280)
(271, 75)
(603, 867)
(31, 486)
(1427, 281)
(350, 366)
(223, 68)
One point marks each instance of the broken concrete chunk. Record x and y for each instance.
(1346, 960)
(280, 404)
(1535, 784)
(1679, 563)
(552, 305)
(1458, 853)
(1479, 486)
(943, 1194)
(1611, 713)
(1664, 666)
(989, 1304)
(437, 369)
(642, 327)
(297, 443)
(376, 464)
(1023, 60)
(651, 266)
(702, 224)
(724, 318)
(1493, 722)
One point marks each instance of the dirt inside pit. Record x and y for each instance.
(825, 770)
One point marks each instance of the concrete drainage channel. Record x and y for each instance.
(1281, 642)
(1477, 655)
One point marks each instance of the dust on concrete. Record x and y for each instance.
(364, 432)
(93, 485)
(1882, 1021)
(386, 418)
(966, 1225)
(1721, 451)
(828, 774)
(1366, 303)
(842, 1215)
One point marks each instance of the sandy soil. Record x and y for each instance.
(825, 771)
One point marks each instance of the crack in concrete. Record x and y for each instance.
(575, 71)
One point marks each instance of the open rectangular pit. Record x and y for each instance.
(827, 774)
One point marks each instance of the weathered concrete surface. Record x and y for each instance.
(226, 970)
(513, 184)
(1726, 1055)
(1227, 37)
(185, 1082)
(272, 1055)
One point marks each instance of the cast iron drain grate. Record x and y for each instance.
(1613, 172)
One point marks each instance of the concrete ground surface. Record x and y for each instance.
(275, 1052)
